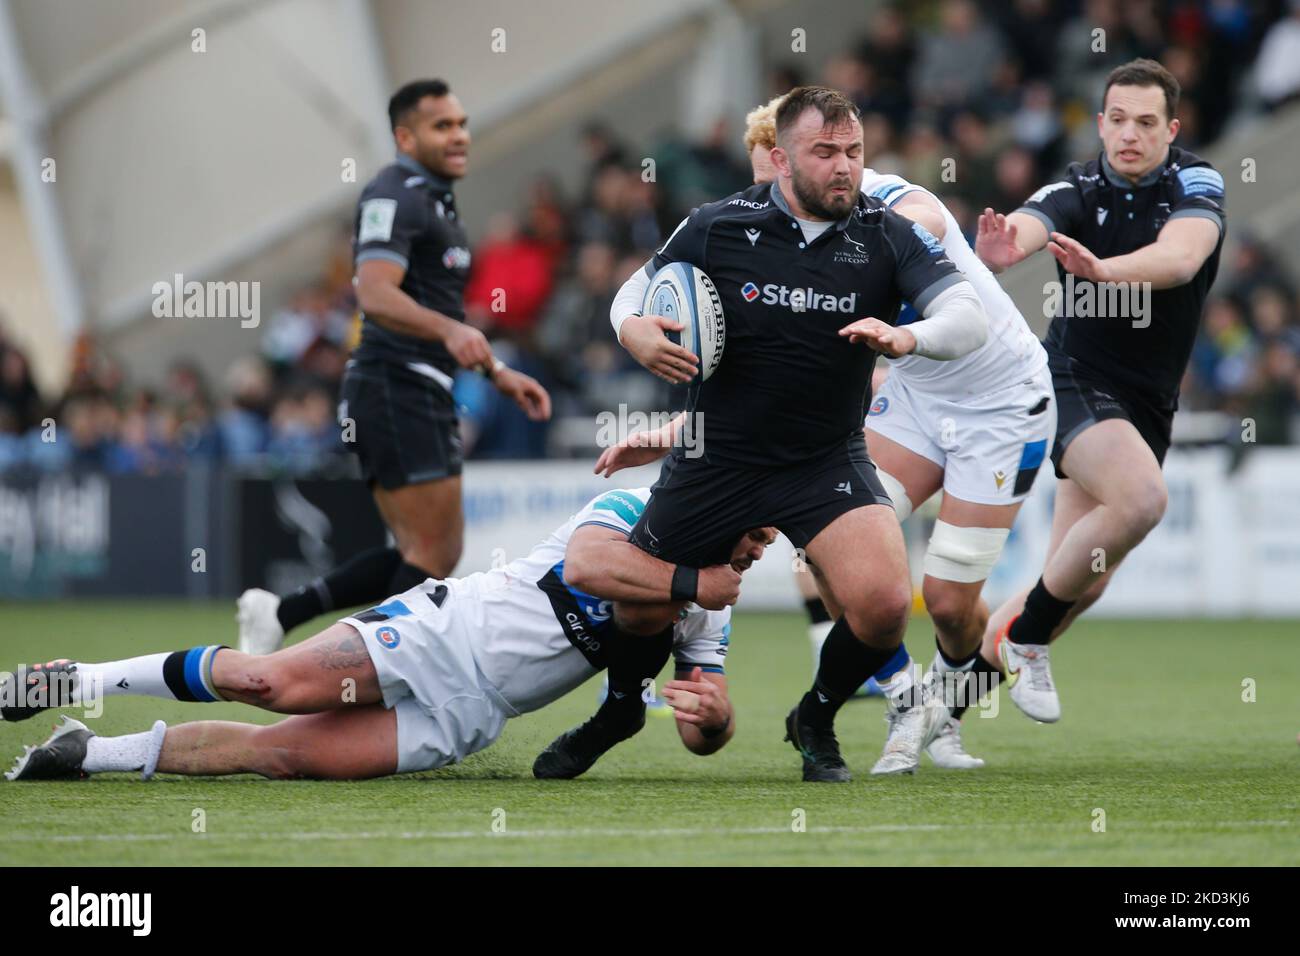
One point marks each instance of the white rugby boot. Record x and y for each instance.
(1029, 679)
(259, 629)
(914, 719)
(947, 751)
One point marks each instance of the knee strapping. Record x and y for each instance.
(964, 555)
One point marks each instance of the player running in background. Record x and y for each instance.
(977, 427)
(412, 261)
(1145, 215)
(806, 269)
(424, 679)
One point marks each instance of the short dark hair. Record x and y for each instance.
(1143, 72)
(406, 99)
(835, 107)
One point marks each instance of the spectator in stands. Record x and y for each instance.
(244, 425)
(575, 329)
(1277, 69)
(698, 171)
(603, 151)
(1030, 28)
(923, 154)
(889, 50)
(303, 429)
(1081, 67)
(1036, 125)
(975, 176)
(878, 137)
(1273, 396)
(493, 427)
(957, 62)
(308, 329)
(547, 219)
(1223, 357)
(86, 433)
(20, 402)
(1272, 316)
(1015, 175)
(510, 280)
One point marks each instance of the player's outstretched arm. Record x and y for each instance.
(1002, 241)
(640, 448)
(1172, 260)
(954, 324)
(602, 562)
(705, 718)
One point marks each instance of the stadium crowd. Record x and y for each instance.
(1008, 90)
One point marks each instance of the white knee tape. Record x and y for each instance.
(965, 555)
(894, 488)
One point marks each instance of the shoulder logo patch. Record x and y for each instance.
(1200, 181)
(377, 217)
(1046, 191)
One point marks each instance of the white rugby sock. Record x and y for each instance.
(126, 753)
(179, 675)
(135, 675)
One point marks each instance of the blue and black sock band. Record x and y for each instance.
(188, 674)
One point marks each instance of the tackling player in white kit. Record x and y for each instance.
(423, 680)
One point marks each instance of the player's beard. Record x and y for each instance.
(820, 201)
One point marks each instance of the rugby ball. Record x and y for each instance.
(682, 292)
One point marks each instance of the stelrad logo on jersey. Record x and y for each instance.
(799, 300)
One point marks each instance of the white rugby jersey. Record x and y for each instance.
(535, 638)
(1012, 352)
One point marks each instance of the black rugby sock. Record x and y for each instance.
(633, 659)
(406, 577)
(816, 608)
(364, 579)
(846, 663)
(1040, 618)
(982, 676)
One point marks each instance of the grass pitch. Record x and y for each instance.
(1155, 733)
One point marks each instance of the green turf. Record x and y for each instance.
(1155, 733)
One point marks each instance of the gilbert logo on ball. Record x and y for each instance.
(682, 292)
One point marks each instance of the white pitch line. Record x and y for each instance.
(597, 832)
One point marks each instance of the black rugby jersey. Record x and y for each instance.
(407, 215)
(789, 387)
(1096, 206)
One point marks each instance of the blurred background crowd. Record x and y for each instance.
(1009, 90)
